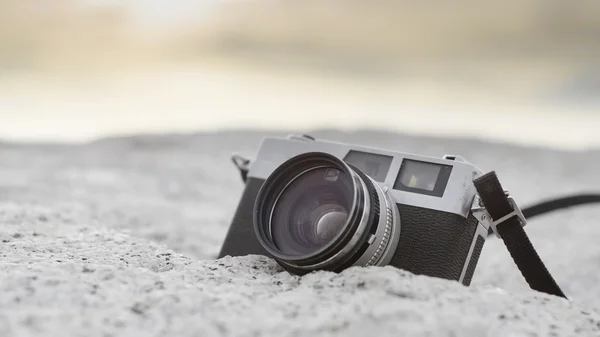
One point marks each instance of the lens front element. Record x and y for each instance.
(311, 211)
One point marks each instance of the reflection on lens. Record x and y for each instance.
(330, 224)
(311, 211)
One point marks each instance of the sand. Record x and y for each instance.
(118, 238)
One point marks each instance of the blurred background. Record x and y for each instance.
(524, 72)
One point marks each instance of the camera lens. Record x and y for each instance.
(311, 211)
(317, 212)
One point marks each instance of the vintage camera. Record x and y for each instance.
(321, 205)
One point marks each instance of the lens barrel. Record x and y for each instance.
(316, 212)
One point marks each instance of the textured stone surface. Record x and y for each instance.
(117, 238)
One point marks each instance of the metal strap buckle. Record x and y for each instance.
(484, 217)
(516, 212)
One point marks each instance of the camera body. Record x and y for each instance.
(423, 220)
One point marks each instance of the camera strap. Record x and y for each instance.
(559, 203)
(508, 221)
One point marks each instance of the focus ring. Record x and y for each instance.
(385, 240)
(372, 222)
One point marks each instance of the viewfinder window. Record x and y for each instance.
(423, 177)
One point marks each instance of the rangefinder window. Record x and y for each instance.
(423, 177)
(374, 165)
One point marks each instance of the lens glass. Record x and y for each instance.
(311, 211)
